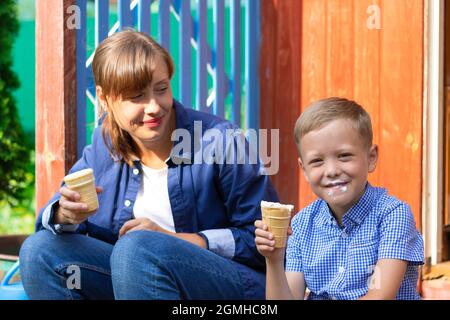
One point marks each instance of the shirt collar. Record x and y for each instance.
(356, 214)
(361, 209)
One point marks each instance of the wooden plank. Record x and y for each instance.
(445, 251)
(125, 15)
(202, 54)
(219, 61)
(447, 128)
(251, 71)
(280, 86)
(144, 16)
(268, 66)
(447, 44)
(10, 245)
(366, 90)
(401, 99)
(8, 257)
(81, 79)
(56, 127)
(313, 69)
(164, 23)
(101, 21)
(447, 159)
(339, 48)
(186, 53)
(235, 47)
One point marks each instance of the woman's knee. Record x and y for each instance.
(131, 246)
(35, 246)
(143, 246)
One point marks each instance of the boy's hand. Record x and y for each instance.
(265, 242)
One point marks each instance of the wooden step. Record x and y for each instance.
(436, 282)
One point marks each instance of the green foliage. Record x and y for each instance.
(16, 167)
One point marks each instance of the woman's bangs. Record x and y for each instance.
(131, 74)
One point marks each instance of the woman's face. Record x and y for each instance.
(147, 115)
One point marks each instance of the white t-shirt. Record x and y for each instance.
(152, 200)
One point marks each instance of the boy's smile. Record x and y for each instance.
(336, 163)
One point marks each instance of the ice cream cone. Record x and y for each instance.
(280, 242)
(277, 218)
(83, 182)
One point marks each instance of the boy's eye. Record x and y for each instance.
(345, 156)
(315, 162)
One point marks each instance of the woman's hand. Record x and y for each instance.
(147, 224)
(70, 209)
(139, 224)
(265, 242)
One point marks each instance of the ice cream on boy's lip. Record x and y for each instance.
(83, 182)
(277, 217)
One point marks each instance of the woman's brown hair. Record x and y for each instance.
(124, 64)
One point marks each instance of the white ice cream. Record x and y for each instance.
(267, 204)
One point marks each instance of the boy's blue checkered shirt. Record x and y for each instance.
(337, 261)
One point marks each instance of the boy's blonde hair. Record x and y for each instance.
(123, 65)
(321, 112)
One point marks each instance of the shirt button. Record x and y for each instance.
(344, 235)
(135, 172)
(341, 269)
(127, 203)
(333, 298)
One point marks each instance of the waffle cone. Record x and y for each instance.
(83, 182)
(280, 242)
(275, 212)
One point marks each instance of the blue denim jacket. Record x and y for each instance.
(220, 200)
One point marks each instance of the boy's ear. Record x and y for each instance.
(300, 162)
(373, 157)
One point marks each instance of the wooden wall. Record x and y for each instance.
(319, 48)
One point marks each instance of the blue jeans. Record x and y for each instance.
(141, 265)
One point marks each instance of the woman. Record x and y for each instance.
(168, 225)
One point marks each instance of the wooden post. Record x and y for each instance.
(56, 112)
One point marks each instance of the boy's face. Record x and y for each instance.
(336, 164)
(147, 115)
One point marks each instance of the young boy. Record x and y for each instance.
(355, 241)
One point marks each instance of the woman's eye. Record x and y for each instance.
(161, 90)
(137, 96)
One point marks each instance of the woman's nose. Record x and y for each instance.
(152, 107)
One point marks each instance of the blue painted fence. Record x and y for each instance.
(226, 95)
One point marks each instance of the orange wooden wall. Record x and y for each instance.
(319, 48)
